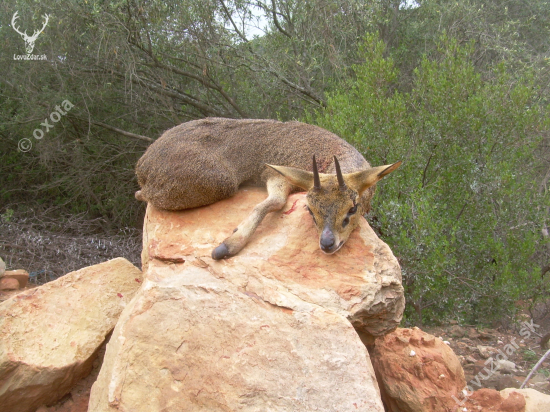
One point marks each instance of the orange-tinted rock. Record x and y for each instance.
(9, 284)
(362, 280)
(535, 401)
(22, 276)
(49, 335)
(267, 330)
(490, 400)
(416, 372)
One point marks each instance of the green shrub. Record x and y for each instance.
(463, 214)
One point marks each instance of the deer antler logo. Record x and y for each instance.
(29, 40)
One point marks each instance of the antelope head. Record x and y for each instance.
(29, 40)
(334, 201)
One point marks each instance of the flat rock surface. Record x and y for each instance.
(50, 334)
(361, 281)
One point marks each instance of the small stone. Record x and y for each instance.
(537, 378)
(470, 359)
(462, 345)
(413, 353)
(473, 334)
(506, 381)
(22, 276)
(505, 366)
(486, 351)
(458, 331)
(542, 386)
(9, 284)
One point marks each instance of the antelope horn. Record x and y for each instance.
(339, 175)
(316, 179)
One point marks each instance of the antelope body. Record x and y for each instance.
(203, 161)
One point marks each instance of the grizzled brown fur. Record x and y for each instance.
(203, 161)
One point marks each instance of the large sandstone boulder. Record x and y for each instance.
(417, 372)
(49, 335)
(267, 330)
(362, 281)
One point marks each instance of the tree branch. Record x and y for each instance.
(120, 131)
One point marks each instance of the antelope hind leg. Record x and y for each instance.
(278, 190)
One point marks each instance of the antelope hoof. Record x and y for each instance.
(221, 252)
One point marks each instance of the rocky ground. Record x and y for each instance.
(77, 399)
(499, 358)
(513, 351)
(470, 344)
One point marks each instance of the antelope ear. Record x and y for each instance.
(361, 181)
(297, 177)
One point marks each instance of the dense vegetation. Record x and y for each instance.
(458, 90)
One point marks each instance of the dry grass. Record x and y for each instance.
(48, 248)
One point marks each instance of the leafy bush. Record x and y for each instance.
(464, 212)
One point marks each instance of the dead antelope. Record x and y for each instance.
(203, 161)
(29, 40)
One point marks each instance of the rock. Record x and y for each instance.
(486, 351)
(537, 378)
(473, 334)
(9, 284)
(542, 386)
(506, 381)
(534, 400)
(362, 281)
(415, 384)
(457, 331)
(485, 400)
(461, 345)
(2, 267)
(505, 366)
(49, 335)
(470, 359)
(268, 329)
(218, 348)
(488, 335)
(21, 275)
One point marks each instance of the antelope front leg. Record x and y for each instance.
(278, 190)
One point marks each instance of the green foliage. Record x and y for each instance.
(530, 355)
(463, 213)
(7, 215)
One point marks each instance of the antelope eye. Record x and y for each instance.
(345, 222)
(352, 210)
(311, 213)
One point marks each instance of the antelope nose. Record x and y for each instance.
(327, 240)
